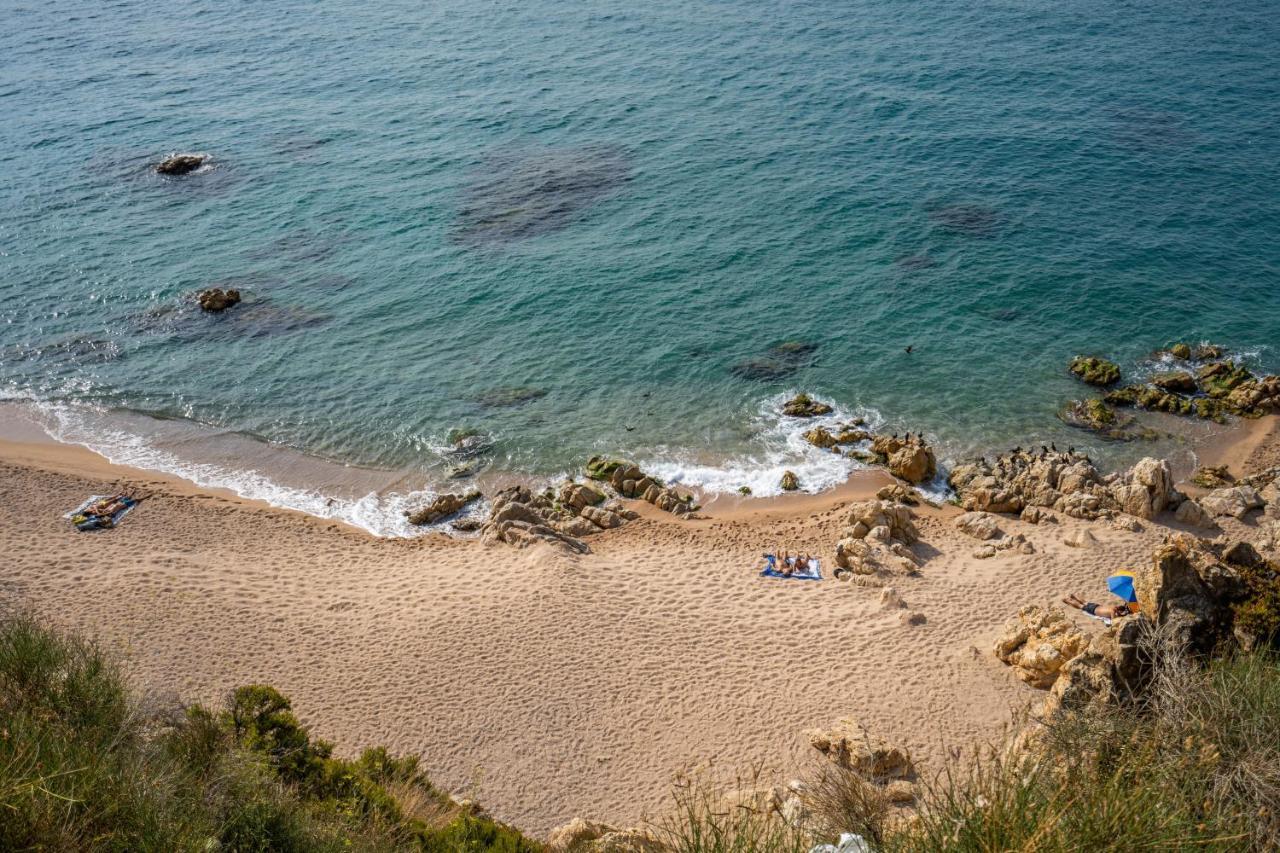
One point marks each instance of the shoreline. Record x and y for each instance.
(365, 499)
(543, 685)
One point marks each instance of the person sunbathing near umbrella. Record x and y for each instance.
(1121, 583)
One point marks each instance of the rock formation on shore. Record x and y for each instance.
(876, 540)
(441, 507)
(629, 481)
(910, 458)
(1199, 598)
(1064, 481)
(181, 164)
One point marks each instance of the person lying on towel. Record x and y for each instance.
(1102, 611)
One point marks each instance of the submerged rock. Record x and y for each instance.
(216, 299)
(181, 164)
(502, 398)
(1095, 371)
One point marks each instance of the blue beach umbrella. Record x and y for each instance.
(1121, 583)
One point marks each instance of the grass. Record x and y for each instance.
(85, 764)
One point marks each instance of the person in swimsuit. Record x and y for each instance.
(1105, 611)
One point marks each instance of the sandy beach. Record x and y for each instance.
(549, 686)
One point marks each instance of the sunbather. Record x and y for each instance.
(1102, 611)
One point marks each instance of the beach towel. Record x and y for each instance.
(84, 522)
(771, 570)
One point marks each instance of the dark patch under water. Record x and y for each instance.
(517, 195)
(502, 398)
(777, 362)
(969, 220)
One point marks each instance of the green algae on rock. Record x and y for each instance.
(1095, 371)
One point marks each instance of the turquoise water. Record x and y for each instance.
(583, 227)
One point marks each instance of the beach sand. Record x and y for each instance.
(548, 686)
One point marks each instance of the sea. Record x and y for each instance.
(486, 240)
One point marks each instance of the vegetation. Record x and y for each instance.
(86, 765)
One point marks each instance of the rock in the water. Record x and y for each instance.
(1219, 378)
(1235, 501)
(1095, 371)
(181, 164)
(909, 458)
(847, 744)
(1080, 538)
(1205, 352)
(790, 482)
(442, 506)
(820, 437)
(804, 406)
(979, 525)
(216, 299)
(1181, 351)
(1177, 381)
(1038, 644)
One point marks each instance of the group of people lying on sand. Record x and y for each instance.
(787, 565)
(101, 514)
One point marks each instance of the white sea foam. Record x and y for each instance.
(783, 449)
(379, 514)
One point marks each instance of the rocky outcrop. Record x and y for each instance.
(848, 745)
(910, 458)
(1066, 482)
(1189, 589)
(804, 406)
(1095, 371)
(790, 482)
(519, 517)
(875, 540)
(629, 481)
(1038, 644)
(979, 525)
(577, 496)
(442, 506)
(1235, 501)
(216, 299)
(181, 164)
(585, 836)
(1177, 381)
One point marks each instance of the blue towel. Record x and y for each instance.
(94, 522)
(771, 570)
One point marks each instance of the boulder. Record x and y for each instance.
(1177, 381)
(442, 506)
(1205, 352)
(847, 744)
(1191, 513)
(1255, 397)
(984, 552)
(1188, 590)
(900, 792)
(979, 525)
(1037, 515)
(821, 437)
(1145, 489)
(1080, 538)
(578, 497)
(790, 482)
(181, 164)
(1038, 644)
(1180, 351)
(602, 518)
(216, 300)
(1235, 501)
(1095, 371)
(1112, 667)
(804, 406)
(865, 515)
(890, 599)
(910, 458)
